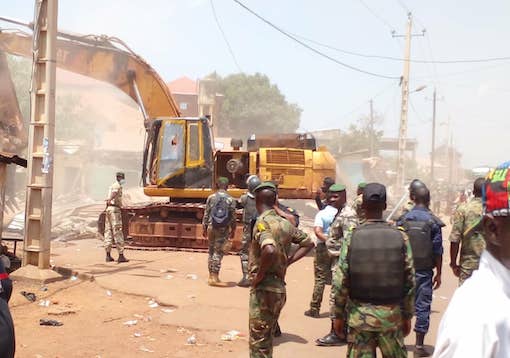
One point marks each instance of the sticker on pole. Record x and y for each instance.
(46, 162)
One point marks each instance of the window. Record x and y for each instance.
(183, 106)
(172, 149)
(194, 143)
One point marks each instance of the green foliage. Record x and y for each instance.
(252, 105)
(358, 135)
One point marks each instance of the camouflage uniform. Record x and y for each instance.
(247, 201)
(268, 298)
(356, 205)
(371, 325)
(113, 220)
(218, 236)
(344, 222)
(467, 231)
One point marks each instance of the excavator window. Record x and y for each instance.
(172, 149)
(194, 144)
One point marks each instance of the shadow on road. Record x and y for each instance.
(289, 337)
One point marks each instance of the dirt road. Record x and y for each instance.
(95, 325)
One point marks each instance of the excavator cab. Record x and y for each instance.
(178, 153)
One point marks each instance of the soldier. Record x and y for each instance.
(468, 234)
(219, 225)
(358, 201)
(345, 221)
(270, 255)
(113, 220)
(326, 183)
(323, 261)
(247, 202)
(7, 338)
(376, 275)
(477, 320)
(415, 184)
(427, 244)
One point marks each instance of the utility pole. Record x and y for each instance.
(433, 146)
(371, 128)
(402, 135)
(36, 247)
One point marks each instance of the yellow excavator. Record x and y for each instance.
(179, 158)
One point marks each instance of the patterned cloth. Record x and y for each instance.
(344, 222)
(373, 325)
(247, 202)
(467, 231)
(113, 229)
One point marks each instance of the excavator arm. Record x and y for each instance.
(105, 59)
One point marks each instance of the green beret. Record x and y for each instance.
(362, 185)
(336, 188)
(120, 174)
(266, 185)
(223, 180)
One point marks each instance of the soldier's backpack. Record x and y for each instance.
(420, 237)
(220, 212)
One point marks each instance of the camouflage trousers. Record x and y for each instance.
(113, 229)
(217, 238)
(465, 273)
(363, 344)
(265, 308)
(245, 247)
(322, 271)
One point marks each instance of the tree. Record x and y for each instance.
(252, 105)
(358, 135)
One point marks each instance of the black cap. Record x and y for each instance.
(374, 193)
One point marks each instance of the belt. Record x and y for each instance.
(4, 276)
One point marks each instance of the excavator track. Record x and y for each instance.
(169, 226)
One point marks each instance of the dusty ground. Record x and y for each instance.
(186, 307)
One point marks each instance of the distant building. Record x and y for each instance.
(185, 92)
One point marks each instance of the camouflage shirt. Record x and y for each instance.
(467, 231)
(212, 200)
(115, 188)
(272, 229)
(345, 221)
(247, 202)
(367, 316)
(356, 205)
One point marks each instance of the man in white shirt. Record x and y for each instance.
(477, 321)
(336, 198)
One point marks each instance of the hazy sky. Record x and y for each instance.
(180, 37)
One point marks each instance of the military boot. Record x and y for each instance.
(109, 257)
(122, 259)
(245, 281)
(214, 281)
(312, 312)
(331, 339)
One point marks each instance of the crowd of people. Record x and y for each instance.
(382, 273)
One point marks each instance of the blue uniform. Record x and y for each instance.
(423, 298)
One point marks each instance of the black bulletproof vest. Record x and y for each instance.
(376, 264)
(420, 237)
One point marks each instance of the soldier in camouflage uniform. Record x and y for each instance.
(113, 220)
(270, 255)
(376, 318)
(356, 203)
(323, 261)
(218, 235)
(247, 202)
(468, 234)
(345, 221)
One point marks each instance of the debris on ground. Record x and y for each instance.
(62, 311)
(44, 303)
(130, 323)
(44, 288)
(109, 293)
(145, 349)
(168, 277)
(167, 310)
(50, 322)
(191, 340)
(73, 278)
(137, 334)
(231, 335)
(153, 304)
(169, 270)
(191, 276)
(29, 296)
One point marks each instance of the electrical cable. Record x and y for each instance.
(377, 16)
(322, 54)
(225, 36)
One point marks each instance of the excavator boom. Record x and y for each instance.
(105, 59)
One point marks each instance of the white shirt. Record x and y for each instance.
(324, 219)
(477, 321)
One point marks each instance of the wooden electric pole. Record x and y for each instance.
(36, 248)
(433, 145)
(402, 134)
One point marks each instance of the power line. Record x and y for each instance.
(377, 16)
(322, 54)
(391, 58)
(225, 37)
